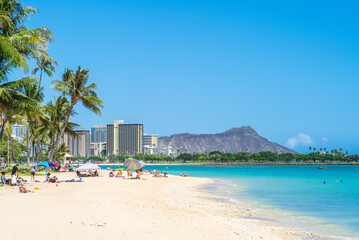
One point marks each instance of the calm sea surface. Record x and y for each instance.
(292, 195)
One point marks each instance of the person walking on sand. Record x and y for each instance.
(128, 172)
(33, 174)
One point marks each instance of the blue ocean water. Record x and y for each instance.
(295, 195)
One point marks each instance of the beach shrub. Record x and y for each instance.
(21, 168)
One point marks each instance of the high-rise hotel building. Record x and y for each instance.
(79, 145)
(116, 138)
(130, 138)
(110, 139)
(98, 134)
(150, 140)
(18, 132)
(124, 138)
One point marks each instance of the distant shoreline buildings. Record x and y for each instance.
(117, 138)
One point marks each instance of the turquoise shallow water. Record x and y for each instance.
(295, 195)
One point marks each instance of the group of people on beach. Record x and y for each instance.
(19, 181)
(113, 173)
(158, 174)
(139, 172)
(184, 175)
(15, 179)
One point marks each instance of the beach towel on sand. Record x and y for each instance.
(73, 180)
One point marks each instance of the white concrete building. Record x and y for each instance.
(150, 140)
(167, 151)
(18, 132)
(97, 149)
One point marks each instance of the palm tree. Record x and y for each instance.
(75, 86)
(31, 110)
(45, 64)
(10, 98)
(12, 117)
(56, 116)
(17, 43)
(62, 151)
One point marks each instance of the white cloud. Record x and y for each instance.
(300, 140)
(324, 140)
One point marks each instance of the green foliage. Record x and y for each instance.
(18, 147)
(217, 156)
(222, 157)
(21, 168)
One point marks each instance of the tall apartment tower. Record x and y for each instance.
(99, 134)
(18, 132)
(110, 139)
(130, 138)
(80, 145)
(150, 140)
(116, 149)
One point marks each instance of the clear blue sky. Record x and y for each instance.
(283, 67)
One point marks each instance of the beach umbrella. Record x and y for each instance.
(132, 164)
(142, 164)
(54, 164)
(46, 164)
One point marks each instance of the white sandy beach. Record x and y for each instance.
(112, 208)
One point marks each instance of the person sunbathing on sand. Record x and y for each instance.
(182, 175)
(23, 189)
(54, 179)
(119, 173)
(157, 174)
(111, 174)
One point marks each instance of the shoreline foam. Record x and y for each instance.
(308, 224)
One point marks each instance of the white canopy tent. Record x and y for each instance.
(88, 166)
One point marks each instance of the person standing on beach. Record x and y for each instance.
(14, 170)
(33, 174)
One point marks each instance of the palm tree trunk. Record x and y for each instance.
(60, 136)
(6, 118)
(51, 146)
(8, 152)
(40, 79)
(28, 143)
(13, 149)
(38, 150)
(33, 151)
